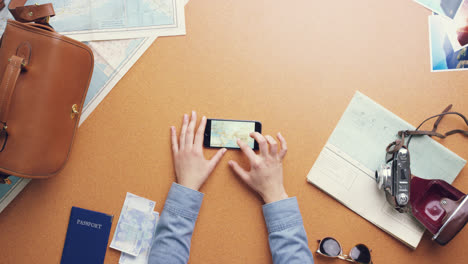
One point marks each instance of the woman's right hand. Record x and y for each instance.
(266, 170)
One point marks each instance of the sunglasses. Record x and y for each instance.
(330, 247)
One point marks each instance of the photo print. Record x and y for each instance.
(444, 56)
(448, 8)
(457, 29)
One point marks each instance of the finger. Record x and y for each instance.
(247, 150)
(200, 134)
(284, 146)
(244, 175)
(183, 130)
(262, 143)
(215, 159)
(175, 147)
(273, 144)
(190, 131)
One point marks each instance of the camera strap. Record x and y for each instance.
(434, 132)
(400, 143)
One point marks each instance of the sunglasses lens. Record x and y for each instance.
(361, 254)
(330, 247)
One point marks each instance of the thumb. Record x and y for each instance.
(215, 159)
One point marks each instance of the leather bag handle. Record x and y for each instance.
(31, 13)
(7, 86)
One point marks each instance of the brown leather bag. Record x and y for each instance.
(45, 77)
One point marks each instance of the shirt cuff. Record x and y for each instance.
(183, 201)
(281, 215)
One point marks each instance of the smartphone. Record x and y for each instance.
(223, 133)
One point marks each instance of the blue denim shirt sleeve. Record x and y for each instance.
(175, 227)
(286, 233)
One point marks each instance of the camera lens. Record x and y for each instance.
(382, 176)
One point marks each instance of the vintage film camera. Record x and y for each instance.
(394, 178)
(439, 206)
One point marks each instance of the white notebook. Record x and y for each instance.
(345, 169)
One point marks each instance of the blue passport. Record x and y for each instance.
(87, 237)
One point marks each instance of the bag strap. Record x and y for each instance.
(31, 13)
(7, 86)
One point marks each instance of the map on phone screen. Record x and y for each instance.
(226, 133)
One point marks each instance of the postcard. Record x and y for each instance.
(448, 8)
(444, 57)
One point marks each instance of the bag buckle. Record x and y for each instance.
(46, 19)
(23, 64)
(74, 111)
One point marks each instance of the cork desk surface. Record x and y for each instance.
(294, 66)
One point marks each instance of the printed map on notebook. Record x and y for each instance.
(345, 169)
